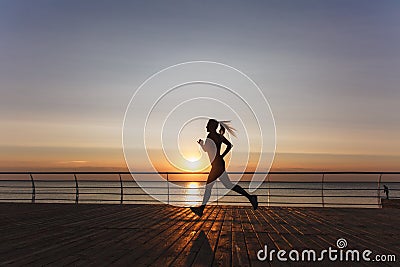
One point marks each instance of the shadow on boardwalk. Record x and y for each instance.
(159, 235)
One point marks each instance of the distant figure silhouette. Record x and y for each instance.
(386, 191)
(213, 146)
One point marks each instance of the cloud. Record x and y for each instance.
(73, 162)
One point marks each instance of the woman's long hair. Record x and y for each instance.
(226, 125)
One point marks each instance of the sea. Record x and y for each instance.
(301, 194)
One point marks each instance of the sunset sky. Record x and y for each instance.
(329, 69)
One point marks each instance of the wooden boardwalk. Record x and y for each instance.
(160, 235)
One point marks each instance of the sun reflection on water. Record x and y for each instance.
(193, 195)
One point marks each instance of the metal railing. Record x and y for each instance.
(278, 192)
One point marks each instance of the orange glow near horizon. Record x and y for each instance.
(112, 159)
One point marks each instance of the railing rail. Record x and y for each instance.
(80, 187)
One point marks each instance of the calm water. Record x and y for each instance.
(273, 194)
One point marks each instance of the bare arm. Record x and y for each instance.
(228, 146)
(201, 143)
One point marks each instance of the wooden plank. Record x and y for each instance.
(136, 247)
(205, 256)
(110, 242)
(183, 233)
(252, 240)
(74, 236)
(160, 235)
(223, 253)
(200, 239)
(239, 249)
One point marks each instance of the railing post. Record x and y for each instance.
(122, 189)
(269, 189)
(168, 188)
(216, 185)
(322, 190)
(379, 191)
(33, 189)
(76, 190)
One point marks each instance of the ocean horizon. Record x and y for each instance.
(189, 193)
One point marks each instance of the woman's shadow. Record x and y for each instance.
(201, 253)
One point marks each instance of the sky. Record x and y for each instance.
(330, 71)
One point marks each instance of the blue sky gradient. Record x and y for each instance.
(330, 70)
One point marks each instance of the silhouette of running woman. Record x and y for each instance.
(213, 147)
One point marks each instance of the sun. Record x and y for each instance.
(193, 159)
(193, 163)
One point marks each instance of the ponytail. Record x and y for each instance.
(226, 125)
(221, 129)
